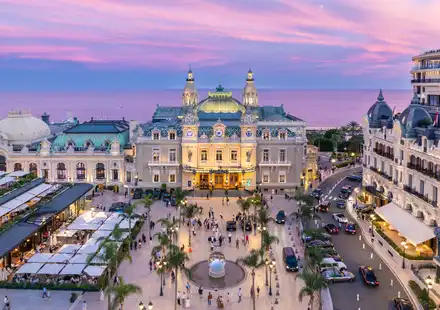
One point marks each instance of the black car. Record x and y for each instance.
(368, 276)
(316, 193)
(246, 225)
(350, 228)
(354, 177)
(138, 193)
(231, 225)
(280, 218)
(340, 204)
(157, 194)
(331, 228)
(402, 304)
(344, 196)
(173, 201)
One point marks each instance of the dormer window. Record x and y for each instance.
(156, 135)
(283, 135)
(266, 135)
(172, 135)
(88, 144)
(70, 143)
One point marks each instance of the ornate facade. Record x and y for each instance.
(220, 143)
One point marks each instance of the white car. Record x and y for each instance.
(340, 217)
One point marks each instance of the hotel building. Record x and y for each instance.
(402, 161)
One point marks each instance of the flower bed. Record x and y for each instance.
(422, 295)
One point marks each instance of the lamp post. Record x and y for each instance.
(266, 264)
(403, 243)
(271, 265)
(372, 220)
(160, 265)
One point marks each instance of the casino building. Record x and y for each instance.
(220, 142)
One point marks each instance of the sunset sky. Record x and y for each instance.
(84, 45)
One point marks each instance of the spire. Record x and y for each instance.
(190, 77)
(415, 99)
(250, 76)
(380, 96)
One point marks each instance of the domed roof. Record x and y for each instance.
(221, 101)
(379, 112)
(412, 117)
(20, 127)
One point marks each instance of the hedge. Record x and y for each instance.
(344, 164)
(50, 286)
(422, 295)
(396, 247)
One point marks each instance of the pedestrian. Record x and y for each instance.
(101, 295)
(178, 298)
(48, 294)
(209, 298)
(247, 239)
(239, 295)
(207, 196)
(201, 291)
(44, 293)
(135, 245)
(237, 243)
(230, 237)
(258, 291)
(151, 264)
(173, 276)
(188, 288)
(84, 305)
(7, 303)
(187, 302)
(243, 240)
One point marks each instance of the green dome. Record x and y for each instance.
(221, 101)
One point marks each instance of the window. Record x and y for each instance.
(80, 171)
(282, 178)
(156, 135)
(172, 178)
(156, 156)
(234, 155)
(375, 162)
(128, 176)
(265, 178)
(33, 169)
(172, 155)
(434, 193)
(100, 171)
(172, 136)
(218, 155)
(382, 166)
(282, 155)
(204, 155)
(115, 174)
(410, 179)
(156, 178)
(265, 155)
(18, 167)
(422, 187)
(282, 135)
(61, 171)
(266, 135)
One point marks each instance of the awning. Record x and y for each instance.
(406, 224)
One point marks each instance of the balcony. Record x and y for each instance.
(427, 66)
(274, 163)
(163, 163)
(421, 196)
(382, 174)
(425, 81)
(384, 154)
(424, 171)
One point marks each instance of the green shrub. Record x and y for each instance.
(344, 164)
(50, 286)
(73, 297)
(422, 295)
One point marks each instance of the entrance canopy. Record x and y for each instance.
(408, 226)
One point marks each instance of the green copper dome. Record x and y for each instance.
(221, 101)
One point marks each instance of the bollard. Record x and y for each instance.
(363, 246)
(276, 300)
(380, 266)
(278, 293)
(290, 233)
(391, 284)
(357, 297)
(288, 228)
(276, 277)
(291, 238)
(272, 307)
(398, 294)
(371, 255)
(278, 284)
(360, 237)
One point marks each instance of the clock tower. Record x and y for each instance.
(190, 97)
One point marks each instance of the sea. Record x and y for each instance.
(319, 108)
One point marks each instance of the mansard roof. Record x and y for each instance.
(99, 127)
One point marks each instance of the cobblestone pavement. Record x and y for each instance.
(138, 271)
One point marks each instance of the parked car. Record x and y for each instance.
(340, 217)
(331, 228)
(346, 189)
(335, 275)
(330, 263)
(173, 201)
(231, 225)
(320, 244)
(280, 218)
(316, 193)
(320, 236)
(354, 177)
(138, 193)
(402, 304)
(118, 207)
(166, 196)
(344, 196)
(290, 259)
(350, 228)
(368, 276)
(156, 193)
(340, 204)
(323, 206)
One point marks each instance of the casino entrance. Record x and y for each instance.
(219, 180)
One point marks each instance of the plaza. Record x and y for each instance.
(138, 271)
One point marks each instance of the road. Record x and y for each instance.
(351, 249)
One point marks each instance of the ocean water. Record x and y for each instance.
(316, 107)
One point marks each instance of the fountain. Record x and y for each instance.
(217, 264)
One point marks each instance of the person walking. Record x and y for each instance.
(201, 291)
(230, 237)
(239, 295)
(237, 243)
(258, 291)
(7, 303)
(247, 239)
(209, 298)
(44, 293)
(178, 298)
(84, 305)
(188, 288)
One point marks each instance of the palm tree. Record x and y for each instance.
(307, 214)
(304, 199)
(176, 260)
(267, 240)
(352, 127)
(129, 214)
(171, 226)
(313, 283)
(110, 254)
(254, 261)
(315, 255)
(180, 195)
(189, 212)
(121, 291)
(147, 202)
(164, 243)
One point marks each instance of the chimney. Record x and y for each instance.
(45, 118)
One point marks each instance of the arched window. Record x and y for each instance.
(18, 167)
(33, 169)
(100, 171)
(80, 171)
(61, 171)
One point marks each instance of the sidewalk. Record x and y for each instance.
(390, 257)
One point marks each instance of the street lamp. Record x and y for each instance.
(160, 265)
(403, 243)
(266, 264)
(372, 220)
(141, 306)
(150, 306)
(271, 265)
